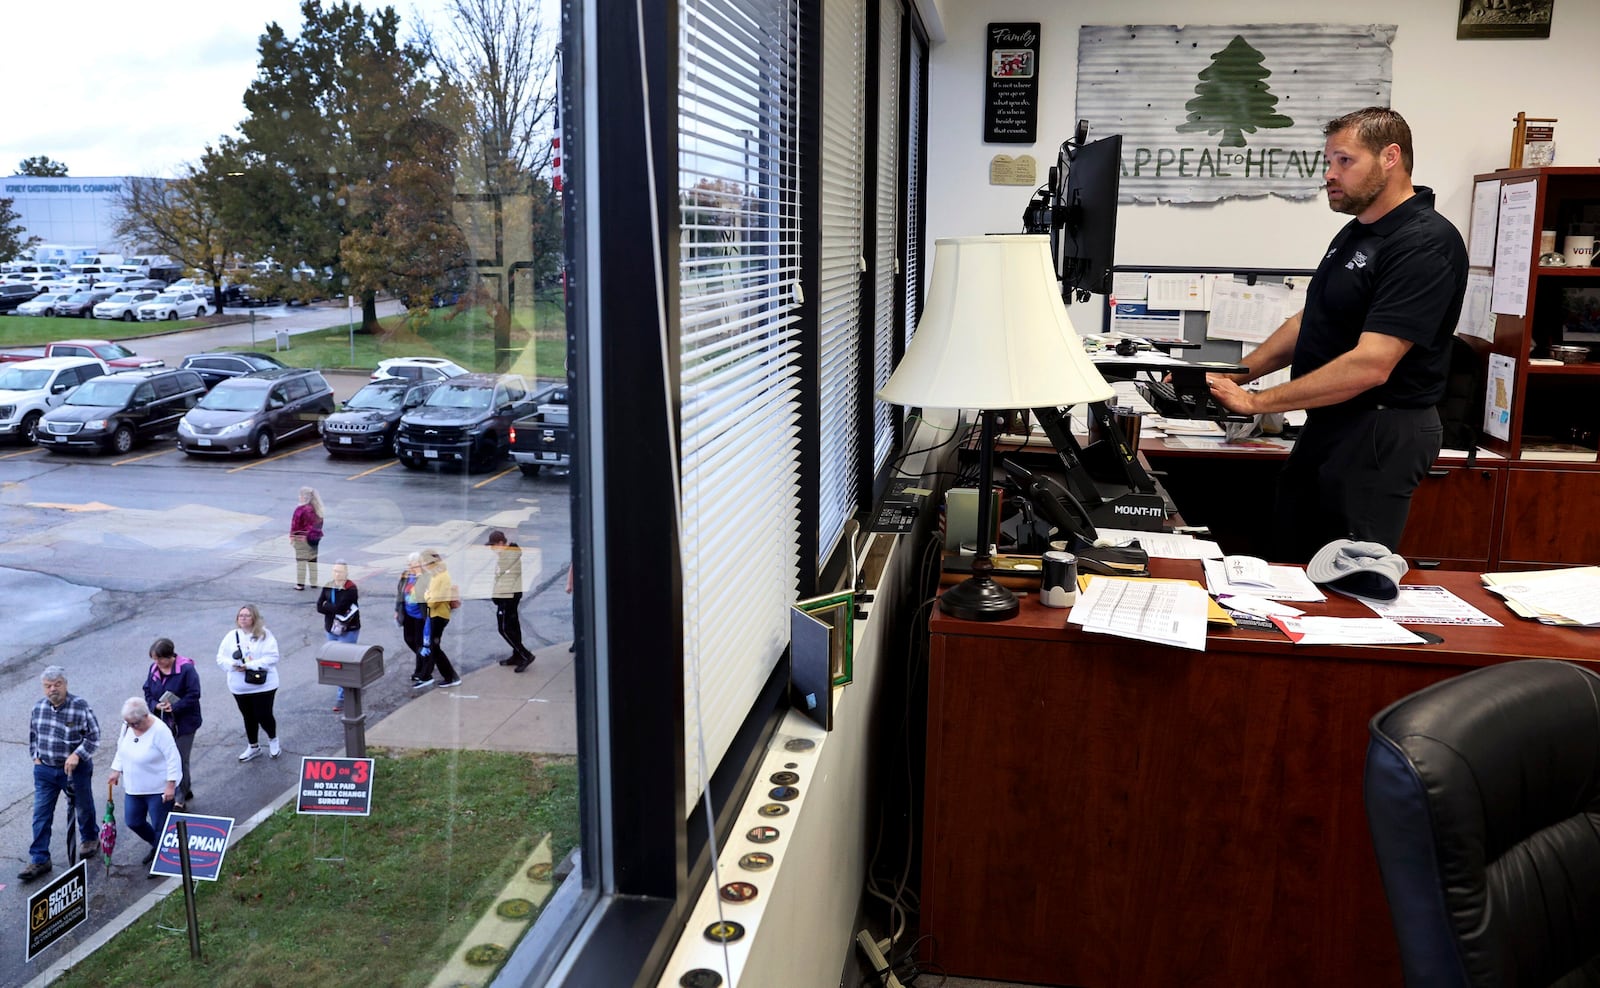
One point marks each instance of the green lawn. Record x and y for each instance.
(34, 330)
(538, 341)
(448, 830)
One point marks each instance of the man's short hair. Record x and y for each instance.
(53, 674)
(1376, 127)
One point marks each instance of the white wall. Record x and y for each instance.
(1460, 98)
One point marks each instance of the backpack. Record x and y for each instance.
(1461, 408)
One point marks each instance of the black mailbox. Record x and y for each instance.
(349, 665)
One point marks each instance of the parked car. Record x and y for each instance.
(543, 439)
(115, 355)
(368, 422)
(115, 411)
(417, 369)
(214, 368)
(466, 420)
(253, 413)
(13, 294)
(122, 305)
(42, 305)
(80, 304)
(33, 387)
(172, 306)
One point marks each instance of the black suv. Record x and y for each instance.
(466, 420)
(14, 295)
(369, 420)
(114, 411)
(215, 368)
(253, 413)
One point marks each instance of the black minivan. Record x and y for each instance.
(112, 412)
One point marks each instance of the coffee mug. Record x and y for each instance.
(1579, 251)
(1547, 241)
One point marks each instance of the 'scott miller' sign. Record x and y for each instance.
(335, 786)
(58, 908)
(1011, 84)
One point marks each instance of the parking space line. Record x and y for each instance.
(496, 477)
(381, 466)
(22, 452)
(145, 456)
(270, 459)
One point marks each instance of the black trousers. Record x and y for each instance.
(509, 622)
(436, 657)
(1351, 476)
(256, 709)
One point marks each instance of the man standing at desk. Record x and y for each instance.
(1369, 352)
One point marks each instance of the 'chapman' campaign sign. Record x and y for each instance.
(208, 842)
(58, 908)
(335, 787)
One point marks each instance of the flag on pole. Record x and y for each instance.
(555, 139)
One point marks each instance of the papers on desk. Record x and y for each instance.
(1429, 605)
(1567, 597)
(1344, 631)
(1285, 583)
(1162, 545)
(1168, 613)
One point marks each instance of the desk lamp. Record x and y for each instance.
(994, 336)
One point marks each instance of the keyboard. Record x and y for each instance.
(1170, 403)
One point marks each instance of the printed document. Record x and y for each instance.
(1429, 605)
(1284, 583)
(1165, 613)
(1344, 631)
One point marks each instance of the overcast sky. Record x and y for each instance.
(138, 89)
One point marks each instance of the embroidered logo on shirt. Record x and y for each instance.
(1359, 261)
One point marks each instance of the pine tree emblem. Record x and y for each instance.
(1232, 97)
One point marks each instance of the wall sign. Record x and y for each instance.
(1011, 84)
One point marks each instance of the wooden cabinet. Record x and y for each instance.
(1452, 523)
(1552, 516)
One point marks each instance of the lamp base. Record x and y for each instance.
(979, 598)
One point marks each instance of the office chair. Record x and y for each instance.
(1483, 797)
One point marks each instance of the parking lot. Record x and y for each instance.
(100, 555)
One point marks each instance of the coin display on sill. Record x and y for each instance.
(762, 835)
(700, 977)
(756, 861)
(725, 931)
(737, 892)
(799, 744)
(773, 809)
(784, 793)
(784, 778)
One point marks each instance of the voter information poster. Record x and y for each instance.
(58, 908)
(335, 787)
(208, 844)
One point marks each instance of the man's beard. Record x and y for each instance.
(1356, 199)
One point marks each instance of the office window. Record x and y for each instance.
(916, 59)
(739, 262)
(886, 232)
(841, 264)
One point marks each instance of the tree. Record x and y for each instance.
(42, 166)
(13, 235)
(1232, 98)
(332, 115)
(178, 217)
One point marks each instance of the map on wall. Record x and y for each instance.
(1212, 112)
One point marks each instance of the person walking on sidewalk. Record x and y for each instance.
(175, 675)
(439, 601)
(507, 597)
(149, 766)
(410, 611)
(63, 735)
(249, 655)
(305, 534)
(341, 613)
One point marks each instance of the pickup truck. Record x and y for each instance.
(543, 439)
(466, 420)
(31, 388)
(115, 355)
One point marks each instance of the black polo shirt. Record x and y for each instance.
(1402, 276)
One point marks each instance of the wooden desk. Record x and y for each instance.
(1108, 814)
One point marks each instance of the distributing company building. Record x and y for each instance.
(67, 210)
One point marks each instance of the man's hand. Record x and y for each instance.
(1229, 395)
(70, 764)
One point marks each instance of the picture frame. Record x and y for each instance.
(837, 611)
(1493, 20)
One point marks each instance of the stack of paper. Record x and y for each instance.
(1147, 610)
(1568, 597)
(1281, 583)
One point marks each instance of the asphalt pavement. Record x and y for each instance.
(100, 556)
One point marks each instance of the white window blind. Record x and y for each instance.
(841, 264)
(885, 276)
(913, 199)
(739, 262)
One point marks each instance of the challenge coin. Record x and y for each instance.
(737, 892)
(762, 835)
(784, 793)
(773, 809)
(784, 778)
(700, 977)
(799, 744)
(756, 861)
(725, 931)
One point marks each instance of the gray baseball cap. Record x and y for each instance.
(1358, 569)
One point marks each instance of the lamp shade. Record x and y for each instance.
(994, 333)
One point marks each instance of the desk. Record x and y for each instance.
(1109, 814)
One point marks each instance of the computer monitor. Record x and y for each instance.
(1085, 234)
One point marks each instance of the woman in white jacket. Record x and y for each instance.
(148, 766)
(249, 655)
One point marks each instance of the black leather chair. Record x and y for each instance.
(1483, 796)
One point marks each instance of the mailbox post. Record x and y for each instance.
(353, 667)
